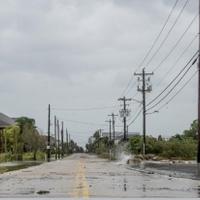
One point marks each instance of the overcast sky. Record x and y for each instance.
(82, 54)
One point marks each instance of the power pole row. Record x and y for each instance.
(59, 145)
(113, 124)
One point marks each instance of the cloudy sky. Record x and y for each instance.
(78, 54)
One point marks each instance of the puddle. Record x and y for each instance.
(125, 185)
(12, 166)
(42, 192)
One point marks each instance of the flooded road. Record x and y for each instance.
(82, 175)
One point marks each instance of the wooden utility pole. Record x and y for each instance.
(144, 89)
(124, 113)
(127, 131)
(48, 138)
(109, 122)
(113, 124)
(55, 131)
(62, 144)
(58, 133)
(198, 121)
(67, 142)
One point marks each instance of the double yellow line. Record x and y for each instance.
(81, 188)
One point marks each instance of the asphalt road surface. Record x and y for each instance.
(82, 175)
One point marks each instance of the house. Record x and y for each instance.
(5, 121)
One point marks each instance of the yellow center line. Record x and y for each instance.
(81, 188)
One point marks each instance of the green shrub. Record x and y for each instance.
(184, 148)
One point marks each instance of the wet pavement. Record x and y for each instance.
(82, 175)
(16, 165)
(178, 170)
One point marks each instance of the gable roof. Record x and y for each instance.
(5, 121)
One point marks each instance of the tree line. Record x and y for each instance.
(22, 141)
(179, 146)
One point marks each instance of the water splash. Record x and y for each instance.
(123, 158)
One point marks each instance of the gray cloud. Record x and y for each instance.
(73, 53)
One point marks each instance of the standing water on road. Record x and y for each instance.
(16, 165)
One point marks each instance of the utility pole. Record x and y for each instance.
(145, 88)
(55, 130)
(67, 142)
(109, 121)
(62, 145)
(198, 121)
(113, 124)
(48, 138)
(58, 132)
(124, 113)
(127, 131)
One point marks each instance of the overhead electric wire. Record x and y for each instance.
(152, 46)
(83, 122)
(186, 83)
(177, 60)
(168, 33)
(131, 118)
(85, 109)
(174, 85)
(176, 44)
(159, 34)
(137, 115)
(174, 79)
(129, 83)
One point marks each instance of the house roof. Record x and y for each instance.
(5, 121)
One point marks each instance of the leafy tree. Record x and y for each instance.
(14, 144)
(32, 141)
(192, 132)
(135, 144)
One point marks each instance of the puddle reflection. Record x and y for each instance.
(125, 185)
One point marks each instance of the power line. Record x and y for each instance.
(177, 60)
(186, 83)
(138, 108)
(129, 83)
(138, 114)
(159, 34)
(84, 109)
(168, 33)
(173, 86)
(152, 46)
(176, 44)
(174, 79)
(83, 122)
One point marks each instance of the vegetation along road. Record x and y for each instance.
(84, 175)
